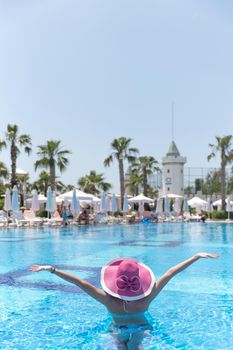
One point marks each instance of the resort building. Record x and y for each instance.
(173, 171)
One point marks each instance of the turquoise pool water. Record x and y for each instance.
(41, 311)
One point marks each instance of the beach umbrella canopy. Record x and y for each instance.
(125, 204)
(41, 199)
(79, 194)
(141, 198)
(197, 203)
(75, 207)
(49, 202)
(92, 200)
(7, 201)
(177, 205)
(35, 205)
(103, 204)
(113, 203)
(185, 205)
(15, 200)
(172, 196)
(166, 204)
(159, 206)
(218, 203)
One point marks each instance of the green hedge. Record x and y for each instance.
(42, 214)
(1, 203)
(220, 215)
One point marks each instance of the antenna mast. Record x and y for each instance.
(173, 121)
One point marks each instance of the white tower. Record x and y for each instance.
(173, 171)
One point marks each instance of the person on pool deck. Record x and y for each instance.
(129, 287)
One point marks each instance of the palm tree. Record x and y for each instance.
(121, 151)
(93, 183)
(42, 183)
(133, 179)
(3, 171)
(147, 165)
(223, 146)
(16, 141)
(51, 156)
(68, 188)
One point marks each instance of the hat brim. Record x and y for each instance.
(109, 277)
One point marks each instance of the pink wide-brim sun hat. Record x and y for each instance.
(127, 279)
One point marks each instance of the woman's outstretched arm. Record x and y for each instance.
(87, 287)
(169, 274)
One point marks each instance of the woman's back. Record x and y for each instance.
(125, 312)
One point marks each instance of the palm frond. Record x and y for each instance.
(108, 161)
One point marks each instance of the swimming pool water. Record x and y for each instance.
(41, 311)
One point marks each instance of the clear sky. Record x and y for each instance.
(85, 72)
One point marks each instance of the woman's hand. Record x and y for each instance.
(206, 255)
(37, 268)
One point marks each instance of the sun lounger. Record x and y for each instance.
(3, 220)
(32, 218)
(19, 218)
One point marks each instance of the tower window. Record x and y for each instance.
(181, 171)
(168, 189)
(168, 170)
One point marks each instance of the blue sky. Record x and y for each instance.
(85, 72)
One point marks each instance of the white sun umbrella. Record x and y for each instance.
(185, 205)
(82, 196)
(54, 203)
(197, 203)
(35, 205)
(75, 207)
(218, 203)
(177, 205)
(166, 205)
(141, 198)
(113, 203)
(108, 203)
(7, 201)
(49, 202)
(172, 196)
(41, 199)
(15, 200)
(159, 206)
(125, 204)
(228, 207)
(103, 204)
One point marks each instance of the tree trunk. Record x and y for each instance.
(223, 184)
(53, 177)
(122, 181)
(45, 189)
(13, 164)
(145, 182)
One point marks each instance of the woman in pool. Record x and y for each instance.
(128, 289)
